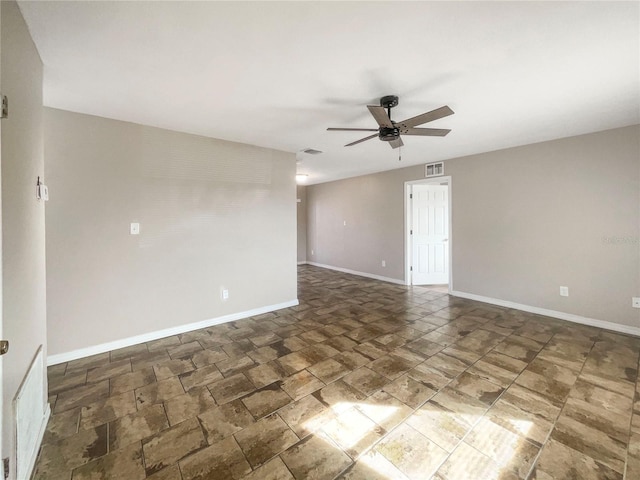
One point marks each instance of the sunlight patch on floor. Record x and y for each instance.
(349, 426)
(378, 413)
(382, 467)
(521, 426)
(501, 445)
(352, 431)
(487, 447)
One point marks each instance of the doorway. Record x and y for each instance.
(428, 232)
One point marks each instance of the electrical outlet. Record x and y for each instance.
(344, 223)
(312, 253)
(384, 263)
(134, 229)
(564, 291)
(224, 294)
(635, 302)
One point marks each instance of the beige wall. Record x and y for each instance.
(525, 221)
(563, 213)
(302, 223)
(372, 207)
(23, 229)
(212, 214)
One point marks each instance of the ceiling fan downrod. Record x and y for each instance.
(388, 102)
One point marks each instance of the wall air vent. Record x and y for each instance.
(434, 169)
(311, 151)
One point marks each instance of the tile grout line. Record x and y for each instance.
(235, 440)
(372, 446)
(414, 410)
(564, 403)
(494, 402)
(427, 401)
(543, 444)
(497, 398)
(548, 436)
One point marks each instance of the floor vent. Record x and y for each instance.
(31, 412)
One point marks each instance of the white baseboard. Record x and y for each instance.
(361, 274)
(570, 317)
(302, 263)
(147, 337)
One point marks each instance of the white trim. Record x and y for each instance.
(41, 432)
(19, 467)
(570, 317)
(147, 337)
(361, 274)
(302, 263)
(407, 224)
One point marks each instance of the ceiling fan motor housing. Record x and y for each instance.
(388, 134)
(389, 101)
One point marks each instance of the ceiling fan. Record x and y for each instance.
(389, 131)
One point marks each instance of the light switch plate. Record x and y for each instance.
(564, 291)
(635, 302)
(42, 192)
(135, 229)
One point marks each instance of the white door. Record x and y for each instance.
(429, 234)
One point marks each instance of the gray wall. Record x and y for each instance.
(525, 221)
(23, 226)
(372, 207)
(212, 214)
(302, 223)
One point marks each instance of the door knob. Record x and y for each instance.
(4, 347)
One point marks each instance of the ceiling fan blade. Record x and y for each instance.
(426, 117)
(380, 114)
(396, 143)
(352, 129)
(362, 140)
(426, 132)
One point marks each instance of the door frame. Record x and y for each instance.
(2, 432)
(408, 221)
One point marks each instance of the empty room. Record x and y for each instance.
(369, 240)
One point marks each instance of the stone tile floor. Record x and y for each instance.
(362, 380)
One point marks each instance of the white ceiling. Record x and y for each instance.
(278, 74)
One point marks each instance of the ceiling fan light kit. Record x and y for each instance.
(390, 131)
